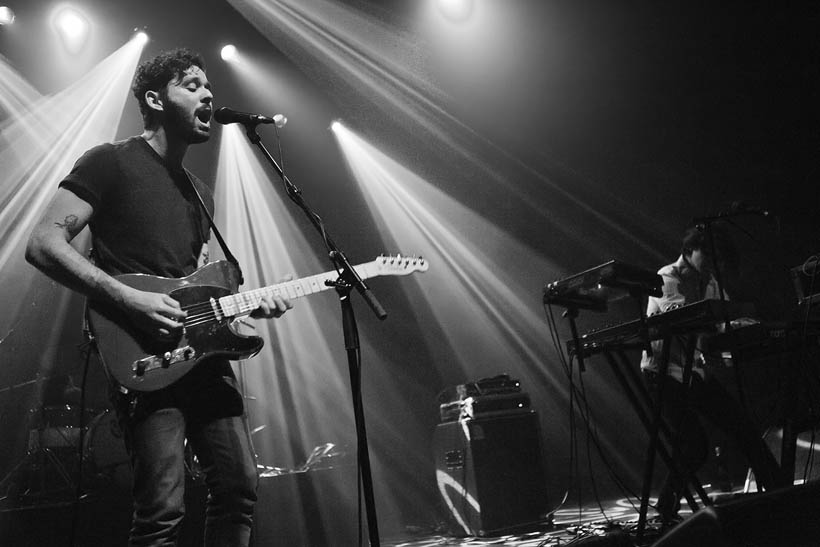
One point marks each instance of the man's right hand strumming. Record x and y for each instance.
(156, 314)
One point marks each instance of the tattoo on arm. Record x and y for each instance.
(69, 223)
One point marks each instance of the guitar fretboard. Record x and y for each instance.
(235, 305)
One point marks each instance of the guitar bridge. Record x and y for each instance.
(152, 362)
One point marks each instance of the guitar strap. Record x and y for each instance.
(228, 254)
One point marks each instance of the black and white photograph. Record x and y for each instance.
(409, 273)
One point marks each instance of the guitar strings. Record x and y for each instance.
(208, 308)
(249, 298)
(203, 312)
(198, 307)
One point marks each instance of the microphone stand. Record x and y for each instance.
(348, 280)
(707, 222)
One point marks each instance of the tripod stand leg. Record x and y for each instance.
(40, 474)
(59, 467)
(8, 483)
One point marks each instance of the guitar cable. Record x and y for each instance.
(578, 401)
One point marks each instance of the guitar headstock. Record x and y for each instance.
(400, 265)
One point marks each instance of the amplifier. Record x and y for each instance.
(486, 397)
(490, 473)
(484, 406)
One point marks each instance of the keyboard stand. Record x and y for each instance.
(661, 437)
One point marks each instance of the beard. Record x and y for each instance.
(180, 123)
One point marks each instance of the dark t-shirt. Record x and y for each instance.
(147, 218)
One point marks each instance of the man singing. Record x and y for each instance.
(142, 207)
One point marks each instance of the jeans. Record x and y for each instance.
(156, 425)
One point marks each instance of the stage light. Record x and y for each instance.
(72, 26)
(336, 126)
(141, 35)
(6, 15)
(456, 11)
(229, 53)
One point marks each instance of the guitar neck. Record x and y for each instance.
(237, 305)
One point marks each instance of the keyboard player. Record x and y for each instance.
(687, 280)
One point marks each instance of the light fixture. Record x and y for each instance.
(6, 15)
(72, 26)
(141, 34)
(229, 53)
(456, 11)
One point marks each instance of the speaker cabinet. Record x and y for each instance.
(490, 473)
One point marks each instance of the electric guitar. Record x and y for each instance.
(141, 362)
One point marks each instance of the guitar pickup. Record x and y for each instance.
(152, 362)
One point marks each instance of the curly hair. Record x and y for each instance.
(154, 74)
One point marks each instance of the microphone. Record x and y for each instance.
(226, 116)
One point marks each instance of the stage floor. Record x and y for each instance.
(783, 518)
(571, 526)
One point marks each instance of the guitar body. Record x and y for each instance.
(140, 362)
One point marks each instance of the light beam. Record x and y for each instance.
(40, 144)
(297, 383)
(391, 68)
(481, 298)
